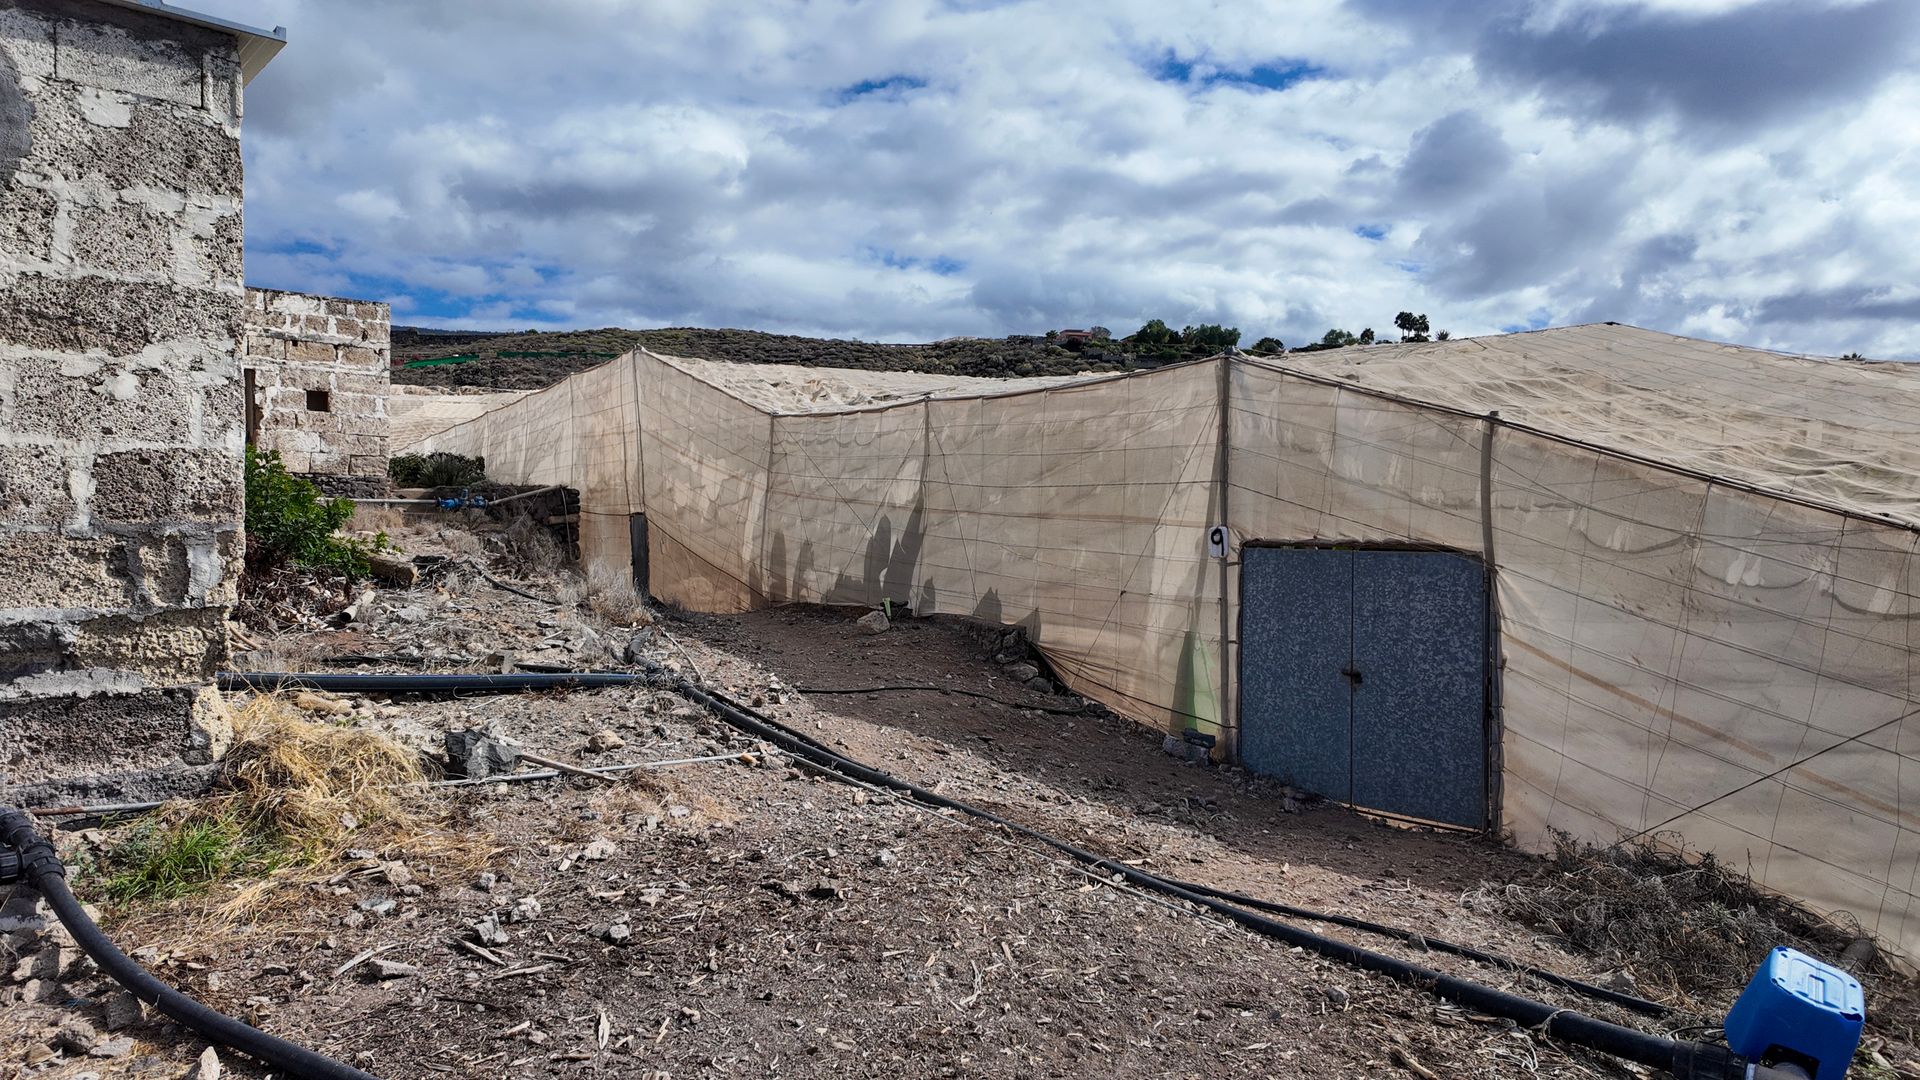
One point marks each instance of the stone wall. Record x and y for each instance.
(120, 406)
(298, 346)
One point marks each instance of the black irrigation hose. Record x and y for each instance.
(503, 586)
(364, 683)
(1414, 937)
(838, 691)
(1575, 1027)
(42, 868)
(1600, 993)
(1682, 1058)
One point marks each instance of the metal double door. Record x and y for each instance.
(1363, 677)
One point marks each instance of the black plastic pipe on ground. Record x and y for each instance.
(1688, 1060)
(359, 683)
(41, 867)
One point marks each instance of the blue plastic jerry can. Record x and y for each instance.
(1798, 1011)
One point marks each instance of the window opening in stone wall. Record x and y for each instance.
(319, 401)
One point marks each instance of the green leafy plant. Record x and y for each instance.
(440, 469)
(289, 520)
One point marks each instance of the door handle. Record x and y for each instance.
(1352, 673)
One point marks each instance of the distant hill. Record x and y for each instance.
(527, 361)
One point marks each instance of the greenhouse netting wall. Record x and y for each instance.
(1681, 655)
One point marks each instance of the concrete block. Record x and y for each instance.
(265, 346)
(310, 352)
(26, 223)
(289, 303)
(47, 570)
(166, 648)
(224, 96)
(36, 486)
(213, 248)
(168, 486)
(107, 402)
(365, 359)
(26, 37)
(33, 645)
(123, 238)
(162, 573)
(123, 58)
(60, 737)
(120, 318)
(161, 147)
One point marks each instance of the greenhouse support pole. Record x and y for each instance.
(1229, 701)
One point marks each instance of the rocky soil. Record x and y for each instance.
(738, 915)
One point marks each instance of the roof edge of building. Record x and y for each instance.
(257, 46)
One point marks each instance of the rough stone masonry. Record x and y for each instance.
(317, 368)
(121, 418)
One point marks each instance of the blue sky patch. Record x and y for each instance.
(892, 86)
(1278, 75)
(943, 265)
(1370, 232)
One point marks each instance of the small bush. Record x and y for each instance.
(530, 548)
(1690, 927)
(289, 520)
(438, 469)
(610, 595)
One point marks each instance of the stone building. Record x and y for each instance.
(121, 419)
(316, 379)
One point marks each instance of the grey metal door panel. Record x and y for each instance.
(1296, 636)
(1419, 705)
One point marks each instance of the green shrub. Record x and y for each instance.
(439, 469)
(288, 520)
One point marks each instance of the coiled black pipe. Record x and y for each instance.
(1690, 1060)
(41, 867)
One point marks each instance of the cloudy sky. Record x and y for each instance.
(904, 170)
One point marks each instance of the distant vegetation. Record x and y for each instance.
(529, 360)
(439, 469)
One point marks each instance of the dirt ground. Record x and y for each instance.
(748, 917)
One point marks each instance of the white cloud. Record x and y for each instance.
(917, 169)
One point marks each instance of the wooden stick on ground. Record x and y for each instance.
(576, 770)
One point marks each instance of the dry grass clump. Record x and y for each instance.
(609, 593)
(369, 518)
(290, 793)
(461, 542)
(310, 783)
(1687, 926)
(529, 549)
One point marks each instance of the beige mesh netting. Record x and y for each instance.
(1704, 555)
